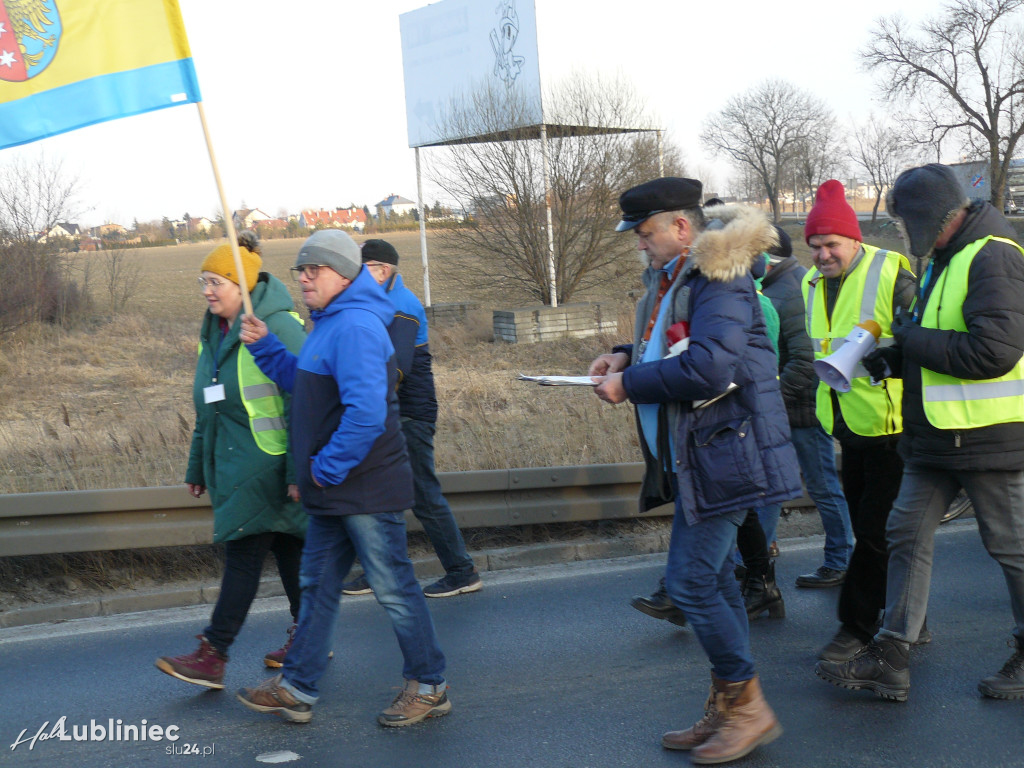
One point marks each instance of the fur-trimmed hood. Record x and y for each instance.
(735, 236)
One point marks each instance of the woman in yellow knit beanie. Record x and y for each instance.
(222, 262)
(240, 456)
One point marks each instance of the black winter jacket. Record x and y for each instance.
(994, 314)
(796, 355)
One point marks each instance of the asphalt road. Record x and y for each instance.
(547, 667)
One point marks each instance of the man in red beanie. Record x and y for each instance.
(852, 282)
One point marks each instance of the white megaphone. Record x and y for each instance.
(836, 370)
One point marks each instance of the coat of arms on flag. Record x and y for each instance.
(29, 34)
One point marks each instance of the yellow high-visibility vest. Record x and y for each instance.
(263, 402)
(866, 294)
(952, 403)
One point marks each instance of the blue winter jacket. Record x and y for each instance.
(733, 453)
(408, 331)
(345, 420)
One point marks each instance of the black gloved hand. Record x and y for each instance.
(883, 363)
(902, 325)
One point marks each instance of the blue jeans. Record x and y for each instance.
(430, 506)
(700, 581)
(769, 519)
(332, 543)
(924, 496)
(817, 456)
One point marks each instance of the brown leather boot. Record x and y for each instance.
(703, 729)
(746, 722)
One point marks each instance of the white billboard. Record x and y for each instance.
(456, 47)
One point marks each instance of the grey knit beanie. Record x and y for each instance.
(331, 248)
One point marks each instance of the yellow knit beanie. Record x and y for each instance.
(222, 262)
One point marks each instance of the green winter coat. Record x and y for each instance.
(248, 488)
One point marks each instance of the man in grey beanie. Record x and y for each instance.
(959, 353)
(354, 478)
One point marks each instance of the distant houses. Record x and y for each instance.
(353, 218)
(202, 224)
(395, 205)
(248, 218)
(112, 231)
(61, 229)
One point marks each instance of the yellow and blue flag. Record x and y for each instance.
(66, 64)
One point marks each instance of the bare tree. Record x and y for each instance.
(746, 185)
(762, 129)
(592, 159)
(817, 158)
(121, 278)
(963, 76)
(881, 151)
(34, 195)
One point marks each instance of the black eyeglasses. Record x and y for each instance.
(310, 271)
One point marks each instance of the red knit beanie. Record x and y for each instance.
(831, 214)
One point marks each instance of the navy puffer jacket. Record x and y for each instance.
(736, 452)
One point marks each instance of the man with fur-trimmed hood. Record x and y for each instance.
(715, 437)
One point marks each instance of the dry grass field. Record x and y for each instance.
(109, 405)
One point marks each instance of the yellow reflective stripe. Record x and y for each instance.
(256, 391)
(267, 423)
(972, 390)
(871, 283)
(812, 287)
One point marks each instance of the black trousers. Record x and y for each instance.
(753, 545)
(872, 471)
(243, 567)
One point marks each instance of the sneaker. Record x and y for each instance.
(411, 706)
(275, 659)
(358, 587)
(270, 697)
(1008, 682)
(881, 667)
(204, 666)
(454, 584)
(822, 577)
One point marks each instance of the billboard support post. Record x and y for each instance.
(423, 231)
(552, 290)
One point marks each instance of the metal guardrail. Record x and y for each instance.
(136, 518)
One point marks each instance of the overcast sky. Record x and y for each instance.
(306, 105)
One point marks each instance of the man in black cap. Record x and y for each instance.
(418, 407)
(959, 353)
(713, 431)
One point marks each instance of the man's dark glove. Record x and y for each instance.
(883, 363)
(902, 325)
